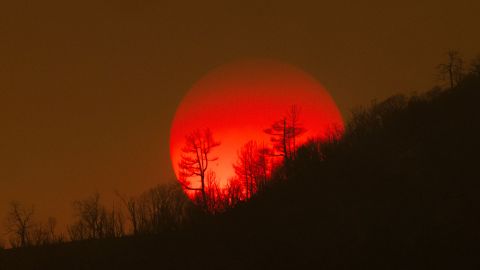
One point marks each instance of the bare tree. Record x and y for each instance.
(295, 129)
(44, 233)
(248, 167)
(19, 223)
(177, 207)
(195, 160)
(113, 223)
(90, 214)
(453, 70)
(233, 192)
(252, 167)
(78, 231)
(94, 221)
(284, 133)
(162, 208)
(131, 205)
(51, 226)
(279, 136)
(264, 166)
(475, 66)
(214, 193)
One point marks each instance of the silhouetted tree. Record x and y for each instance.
(131, 205)
(94, 221)
(233, 192)
(453, 69)
(475, 66)
(162, 208)
(78, 231)
(264, 166)
(195, 160)
(284, 133)
(251, 167)
(295, 129)
(113, 223)
(90, 215)
(245, 168)
(215, 200)
(19, 223)
(278, 132)
(44, 233)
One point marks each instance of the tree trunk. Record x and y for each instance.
(204, 194)
(450, 73)
(285, 138)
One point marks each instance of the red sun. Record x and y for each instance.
(238, 101)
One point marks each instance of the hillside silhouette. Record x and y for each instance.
(399, 190)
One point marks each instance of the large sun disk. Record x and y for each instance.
(237, 102)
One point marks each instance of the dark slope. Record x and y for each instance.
(401, 190)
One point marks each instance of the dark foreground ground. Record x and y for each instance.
(401, 190)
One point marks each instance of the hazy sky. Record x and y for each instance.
(88, 90)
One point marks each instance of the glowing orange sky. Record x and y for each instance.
(238, 101)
